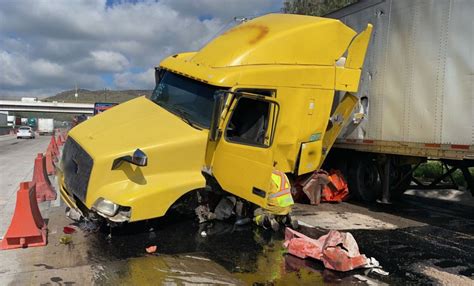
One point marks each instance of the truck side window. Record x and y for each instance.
(249, 122)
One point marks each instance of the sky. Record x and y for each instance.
(48, 46)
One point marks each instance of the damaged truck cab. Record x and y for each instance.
(258, 97)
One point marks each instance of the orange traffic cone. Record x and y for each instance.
(44, 190)
(60, 140)
(49, 163)
(53, 146)
(27, 227)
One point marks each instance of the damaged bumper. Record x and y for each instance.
(102, 207)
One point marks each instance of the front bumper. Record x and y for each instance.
(123, 214)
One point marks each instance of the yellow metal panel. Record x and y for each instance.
(278, 39)
(340, 118)
(175, 153)
(310, 157)
(241, 168)
(358, 48)
(347, 79)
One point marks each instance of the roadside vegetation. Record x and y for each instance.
(429, 171)
(314, 7)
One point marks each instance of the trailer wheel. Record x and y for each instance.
(398, 187)
(364, 179)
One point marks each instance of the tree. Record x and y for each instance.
(314, 7)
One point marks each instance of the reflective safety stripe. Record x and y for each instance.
(283, 195)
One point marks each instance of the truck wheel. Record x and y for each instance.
(396, 181)
(364, 179)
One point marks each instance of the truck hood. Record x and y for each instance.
(138, 123)
(175, 152)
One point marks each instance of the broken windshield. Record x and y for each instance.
(189, 99)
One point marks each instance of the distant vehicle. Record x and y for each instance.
(45, 126)
(29, 99)
(25, 132)
(100, 107)
(13, 120)
(32, 122)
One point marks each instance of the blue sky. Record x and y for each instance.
(49, 46)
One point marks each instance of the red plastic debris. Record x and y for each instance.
(69, 230)
(151, 249)
(321, 186)
(337, 250)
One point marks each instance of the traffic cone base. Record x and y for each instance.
(44, 190)
(27, 227)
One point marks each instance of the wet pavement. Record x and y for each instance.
(427, 252)
(419, 240)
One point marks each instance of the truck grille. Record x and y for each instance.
(77, 167)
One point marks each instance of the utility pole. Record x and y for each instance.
(75, 94)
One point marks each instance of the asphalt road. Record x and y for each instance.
(422, 239)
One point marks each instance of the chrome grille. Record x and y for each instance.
(77, 167)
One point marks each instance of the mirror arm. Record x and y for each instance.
(118, 162)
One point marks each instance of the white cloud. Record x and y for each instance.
(10, 74)
(109, 61)
(128, 80)
(48, 45)
(46, 68)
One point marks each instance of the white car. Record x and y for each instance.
(25, 132)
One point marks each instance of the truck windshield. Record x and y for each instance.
(190, 99)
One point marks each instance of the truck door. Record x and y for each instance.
(243, 156)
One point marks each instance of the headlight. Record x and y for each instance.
(105, 207)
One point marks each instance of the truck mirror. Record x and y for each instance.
(219, 102)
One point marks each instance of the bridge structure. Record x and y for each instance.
(52, 107)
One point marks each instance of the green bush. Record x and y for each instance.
(431, 170)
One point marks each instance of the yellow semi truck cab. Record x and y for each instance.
(258, 97)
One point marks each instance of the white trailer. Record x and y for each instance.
(45, 126)
(416, 92)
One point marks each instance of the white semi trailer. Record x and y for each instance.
(416, 94)
(45, 126)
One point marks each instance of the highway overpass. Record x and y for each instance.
(53, 107)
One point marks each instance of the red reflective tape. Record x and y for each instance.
(463, 147)
(368, 141)
(432, 145)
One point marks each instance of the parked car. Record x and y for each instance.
(25, 132)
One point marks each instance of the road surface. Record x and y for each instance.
(420, 240)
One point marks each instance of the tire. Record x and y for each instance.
(395, 180)
(364, 179)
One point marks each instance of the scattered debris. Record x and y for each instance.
(204, 214)
(337, 250)
(151, 249)
(322, 186)
(376, 270)
(69, 229)
(65, 239)
(73, 214)
(203, 233)
(367, 280)
(225, 207)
